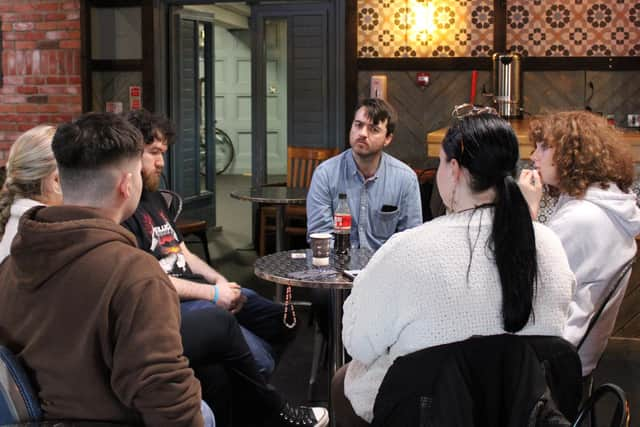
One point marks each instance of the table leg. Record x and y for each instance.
(279, 243)
(336, 349)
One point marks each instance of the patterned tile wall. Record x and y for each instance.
(574, 27)
(464, 28)
(424, 28)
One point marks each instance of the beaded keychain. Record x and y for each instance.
(287, 304)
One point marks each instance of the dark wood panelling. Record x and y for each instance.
(550, 91)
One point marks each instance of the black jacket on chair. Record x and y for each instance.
(502, 380)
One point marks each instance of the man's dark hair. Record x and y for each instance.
(150, 123)
(378, 110)
(85, 147)
(95, 140)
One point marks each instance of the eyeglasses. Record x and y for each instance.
(371, 128)
(465, 110)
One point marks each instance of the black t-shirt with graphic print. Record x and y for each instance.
(157, 234)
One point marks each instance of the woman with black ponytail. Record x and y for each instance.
(483, 269)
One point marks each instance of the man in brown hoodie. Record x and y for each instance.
(85, 309)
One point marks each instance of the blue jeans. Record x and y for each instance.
(261, 324)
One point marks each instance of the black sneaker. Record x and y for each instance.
(303, 416)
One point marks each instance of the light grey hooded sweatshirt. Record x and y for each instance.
(598, 233)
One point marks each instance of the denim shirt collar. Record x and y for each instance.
(352, 168)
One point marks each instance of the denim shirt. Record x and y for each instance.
(394, 186)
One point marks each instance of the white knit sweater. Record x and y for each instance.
(414, 294)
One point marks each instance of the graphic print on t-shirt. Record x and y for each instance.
(165, 245)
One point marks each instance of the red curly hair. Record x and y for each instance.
(588, 151)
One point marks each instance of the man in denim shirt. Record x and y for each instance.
(382, 192)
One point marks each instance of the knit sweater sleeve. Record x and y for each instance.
(375, 313)
(150, 373)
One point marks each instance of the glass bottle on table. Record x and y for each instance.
(342, 226)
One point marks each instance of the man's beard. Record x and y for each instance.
(151, 181)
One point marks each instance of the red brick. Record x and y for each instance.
(55, 17)
(71, 5)
(27, 90)
(70, 44)
(6, 27)
(34, 80)
(27, 108)
(53, 80)
(48, 6)
(8, 126)
(75, 80)
(8, 44)
(14, 80)
(48, 44)
(12, 99)
(23, 26)
(62, 35)
(68, 100)
(35, 59)
(25, 45)
(22, 17)
(7, 108)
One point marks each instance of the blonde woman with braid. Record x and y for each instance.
(32, 180)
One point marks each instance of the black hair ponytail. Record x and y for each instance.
(514, 248)
(487, 147)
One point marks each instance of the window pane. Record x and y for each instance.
(116, 33)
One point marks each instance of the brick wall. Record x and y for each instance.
(40, 65)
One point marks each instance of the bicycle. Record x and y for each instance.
(225, 152)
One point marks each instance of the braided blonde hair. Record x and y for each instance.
(30, 161)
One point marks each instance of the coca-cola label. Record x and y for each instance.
(342, 222)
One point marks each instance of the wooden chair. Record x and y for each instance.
(301, 162)
(186, 226)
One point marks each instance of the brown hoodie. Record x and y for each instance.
(96, 321)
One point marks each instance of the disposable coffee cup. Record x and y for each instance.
(320, 248)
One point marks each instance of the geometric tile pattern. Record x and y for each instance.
(574, 27)
(425, 28)
(464, 28)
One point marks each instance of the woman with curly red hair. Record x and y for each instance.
(580, 156)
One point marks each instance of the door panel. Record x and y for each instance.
(192, 172)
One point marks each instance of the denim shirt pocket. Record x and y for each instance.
(385, 224)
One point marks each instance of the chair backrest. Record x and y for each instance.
(174, 203)
(18, 401)
(490, 380)
(621, 416)
(302, 161)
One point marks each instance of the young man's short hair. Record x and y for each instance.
(84, 147)
(95, 140)
(378, 110)
(150, 124)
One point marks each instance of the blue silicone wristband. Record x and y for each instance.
(215, 294)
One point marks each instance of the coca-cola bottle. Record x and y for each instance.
(342, 226)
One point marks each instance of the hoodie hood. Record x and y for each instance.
(51, 238)
(621, 207)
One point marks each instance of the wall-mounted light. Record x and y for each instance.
(421, 32)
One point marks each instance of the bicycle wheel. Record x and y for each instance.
(224, 151)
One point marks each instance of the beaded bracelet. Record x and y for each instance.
(215, 295)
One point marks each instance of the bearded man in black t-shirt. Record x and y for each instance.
(198, 284)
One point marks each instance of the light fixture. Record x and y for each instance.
(422, 27)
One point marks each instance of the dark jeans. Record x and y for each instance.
(222, 361)
(261, 324)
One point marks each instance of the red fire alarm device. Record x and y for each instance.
(422, 79)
